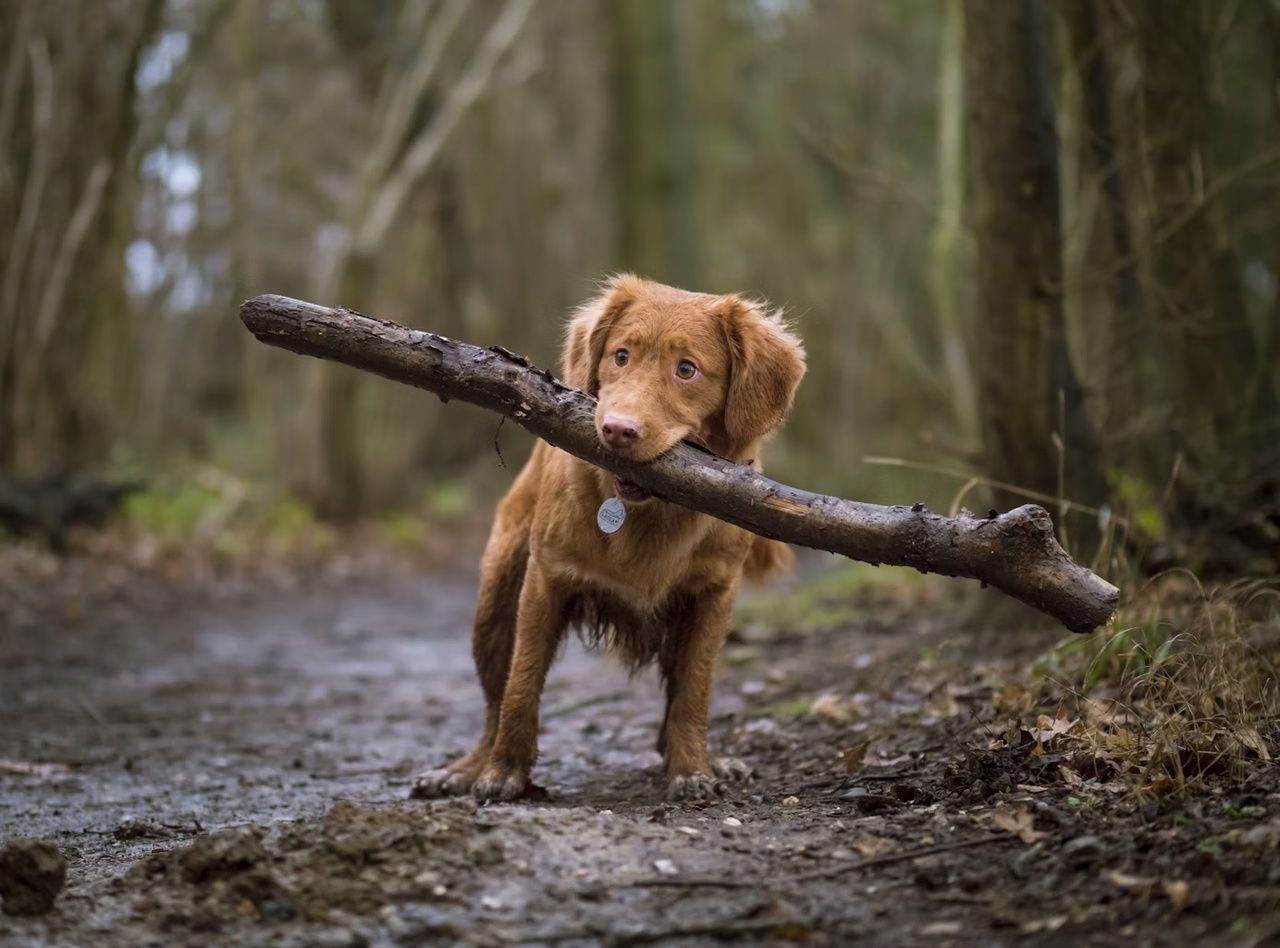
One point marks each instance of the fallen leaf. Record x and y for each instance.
(1158, 787)
(1048, 728)
(1031, 788)
(853, 757)
(1069, 776)
(1251, 739)
(1019, 822)
(871, 846)
(1050, 924)
(941, 928)
(832, 707)
(1177, 891)
(1129, 883)
(790, 801)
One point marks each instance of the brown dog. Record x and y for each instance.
(665, 365)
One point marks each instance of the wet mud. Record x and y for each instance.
(234, 768)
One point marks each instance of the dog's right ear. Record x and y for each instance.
(588, 331)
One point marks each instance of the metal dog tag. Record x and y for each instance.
(610, 515)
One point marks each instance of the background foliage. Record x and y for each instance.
(1033, 243)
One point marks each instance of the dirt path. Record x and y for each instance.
(237, 772)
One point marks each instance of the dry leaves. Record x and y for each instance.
(1019, 822)
(853, 757)
(868, 847)
(836, 708)
(1177, 891)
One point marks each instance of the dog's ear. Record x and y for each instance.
(766, 364)
(588, 331)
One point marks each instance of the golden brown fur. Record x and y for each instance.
(661, 588)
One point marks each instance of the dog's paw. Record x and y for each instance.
(732, 769)
(500, 783)
(444, 782)
(696, 786)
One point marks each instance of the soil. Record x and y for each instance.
(230, 763)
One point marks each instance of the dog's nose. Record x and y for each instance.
(620, 432)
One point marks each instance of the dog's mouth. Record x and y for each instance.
(630, 491)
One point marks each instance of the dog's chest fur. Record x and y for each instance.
(635, 593)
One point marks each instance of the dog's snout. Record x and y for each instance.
(620, 431)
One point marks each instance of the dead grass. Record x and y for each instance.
(1181, 687)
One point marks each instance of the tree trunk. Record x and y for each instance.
(1027, 390)
(1015, 552)
(67, 119)
(1101, 280)
(1196, 301)
(653, 141)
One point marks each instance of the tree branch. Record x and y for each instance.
(1015, 552)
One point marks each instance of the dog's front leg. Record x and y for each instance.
(539, 625)
(691, 774)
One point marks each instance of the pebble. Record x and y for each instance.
(1084, 849)
(732, 821)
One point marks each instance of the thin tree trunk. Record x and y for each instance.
(1104, 283)
(1027, 390)
(947, 231)
(1194, 292)
(653, 142)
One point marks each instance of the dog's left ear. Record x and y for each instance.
(766, 364)
(589, 329)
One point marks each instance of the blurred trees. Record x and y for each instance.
(1034, 242)
(67, 121)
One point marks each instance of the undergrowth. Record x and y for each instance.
(1182, 685)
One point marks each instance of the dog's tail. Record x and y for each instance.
(767, 558)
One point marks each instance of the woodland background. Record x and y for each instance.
(1031, 243)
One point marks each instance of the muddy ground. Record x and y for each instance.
(229, 762)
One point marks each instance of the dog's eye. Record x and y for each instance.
(621, 357)
(686, 371)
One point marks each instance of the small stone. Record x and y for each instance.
(732, 821)
(790, 801)
(32, 873)
(665, 867)
(687, 830)
(1084, 849)
(874, 802)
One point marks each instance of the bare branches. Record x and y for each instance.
(424, 149)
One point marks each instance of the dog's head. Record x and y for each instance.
(666, 365)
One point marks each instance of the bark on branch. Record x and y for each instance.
(1016, 552)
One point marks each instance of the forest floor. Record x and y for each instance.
(227, 759)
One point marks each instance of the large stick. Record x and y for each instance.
(1015, 552)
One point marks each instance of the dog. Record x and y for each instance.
(665, 365)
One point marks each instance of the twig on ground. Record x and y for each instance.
(907, 855)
